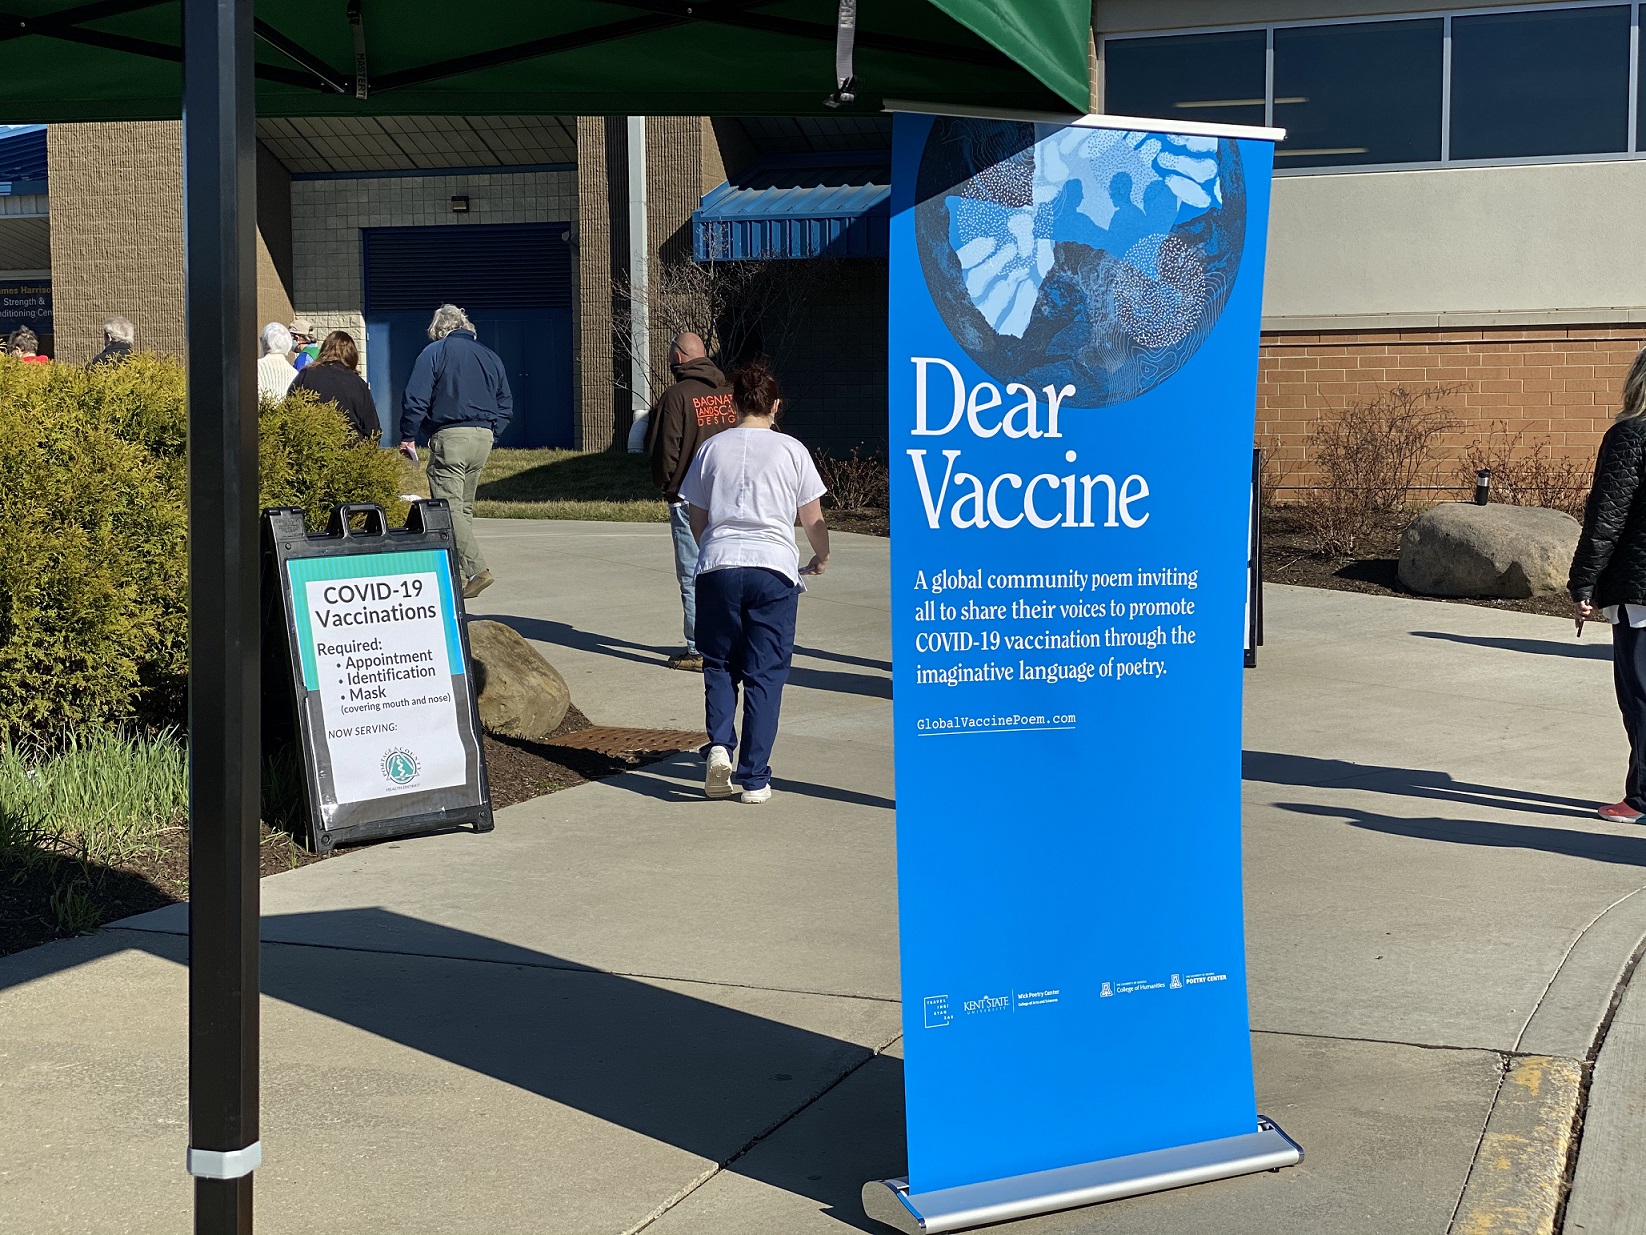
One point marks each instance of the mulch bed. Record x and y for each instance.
(1290, 556)
(868, 522)
(60, 896)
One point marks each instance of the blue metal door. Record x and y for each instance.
(513, 280)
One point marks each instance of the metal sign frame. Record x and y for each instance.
(294, 708)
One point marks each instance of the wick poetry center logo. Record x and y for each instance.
(400, 767)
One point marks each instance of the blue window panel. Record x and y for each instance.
(1359, 93)
(1219, 78)
(1550, 82)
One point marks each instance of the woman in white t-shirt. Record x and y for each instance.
(746, 488)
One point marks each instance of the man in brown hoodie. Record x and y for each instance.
(691, 411)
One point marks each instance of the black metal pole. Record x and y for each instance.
(219, 215)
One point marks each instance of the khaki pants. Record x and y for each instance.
(455, 459)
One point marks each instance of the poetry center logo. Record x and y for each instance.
(400, 766)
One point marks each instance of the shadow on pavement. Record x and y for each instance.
(862, 662)
(1599, 649)
(840, 683)
(1597, 846)
(681, 780)
(712, 1080)
(1279, 769)
(559, 633)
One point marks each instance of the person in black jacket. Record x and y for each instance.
(118, 336)
(1608, 578)
(335, 378)
(460, 394)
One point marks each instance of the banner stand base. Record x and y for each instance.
(999, 1200)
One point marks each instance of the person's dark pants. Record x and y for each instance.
(1629, 676)
(745, 633)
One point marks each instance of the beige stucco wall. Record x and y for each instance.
(1531, 244)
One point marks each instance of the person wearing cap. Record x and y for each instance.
(305, 346)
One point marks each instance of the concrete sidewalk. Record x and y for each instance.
(629, 1008)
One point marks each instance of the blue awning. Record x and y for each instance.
(22, 160)
(798, 206)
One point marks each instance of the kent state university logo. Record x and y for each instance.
(400, 766)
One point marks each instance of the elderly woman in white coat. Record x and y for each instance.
(275, 373)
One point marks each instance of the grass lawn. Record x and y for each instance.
(559, 484)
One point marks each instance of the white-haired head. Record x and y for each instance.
(447, 318)
(276, 339)
(119, 330)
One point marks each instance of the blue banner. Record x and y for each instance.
(1073, 368)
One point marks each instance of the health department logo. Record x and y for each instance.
(1091, 257)
(401, 767)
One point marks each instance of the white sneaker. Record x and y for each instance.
(754, 797)
(717, 780)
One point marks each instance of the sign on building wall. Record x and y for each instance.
(1073, 365)
(377, 656)
(25, 302)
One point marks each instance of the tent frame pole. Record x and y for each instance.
(219, 204)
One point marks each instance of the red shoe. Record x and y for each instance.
(1619, 812)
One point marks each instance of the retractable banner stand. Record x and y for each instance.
(1074, 317)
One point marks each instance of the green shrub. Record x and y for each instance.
(309, 457)
(93, 523)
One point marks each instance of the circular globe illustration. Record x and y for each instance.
(1095, 258)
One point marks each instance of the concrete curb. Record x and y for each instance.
(1572, 1013)
(1561, 1101)
(1607, 1197)
(1516, 1182)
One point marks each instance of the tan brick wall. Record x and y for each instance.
(674, 165)
(1562, 385)
(117, 236)
(596, 363)
(117, 233)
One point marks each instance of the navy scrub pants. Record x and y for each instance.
(1629, 678)
(745, 633)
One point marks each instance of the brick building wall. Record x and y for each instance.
(117, 235)
(1560, 384)
(674, 166)
(327, 216)
(597, 360)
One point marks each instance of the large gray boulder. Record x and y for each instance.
(521, 695)
(1460, 549)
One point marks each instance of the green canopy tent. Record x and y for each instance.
(120, 59)
(219, 64)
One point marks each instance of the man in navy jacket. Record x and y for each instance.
(459, 394)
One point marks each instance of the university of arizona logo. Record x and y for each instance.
(400, 766)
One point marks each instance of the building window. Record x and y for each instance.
(1540, 83)
(1530, 84)
(1211, 77)
(1359, 93)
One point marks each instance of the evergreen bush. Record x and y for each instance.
(93, 534)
